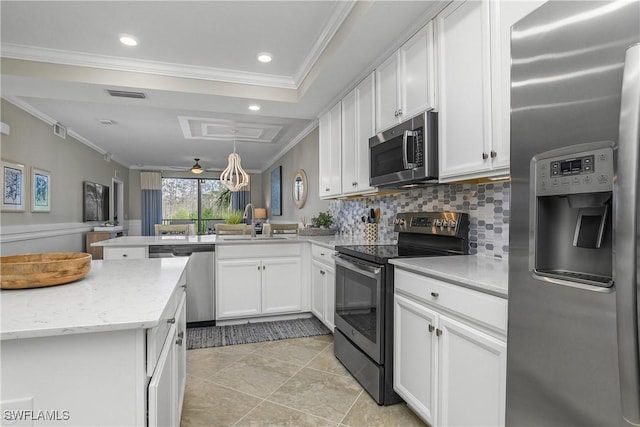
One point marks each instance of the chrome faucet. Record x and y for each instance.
(250, 210)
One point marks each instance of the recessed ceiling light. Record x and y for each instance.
(254, 107)
(264, 57)
(128, 40)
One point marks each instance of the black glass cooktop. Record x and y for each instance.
(381, 254)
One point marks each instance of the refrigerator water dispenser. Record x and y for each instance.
(571, 191)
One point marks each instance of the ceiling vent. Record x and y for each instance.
(127, 94)
(60, 130)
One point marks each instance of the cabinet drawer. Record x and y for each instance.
(258, 250)
(157, 336)
(138, 252)
(488, 310)
(322, 254)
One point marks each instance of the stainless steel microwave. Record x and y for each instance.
(405, 155)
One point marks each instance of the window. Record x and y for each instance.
(195, 200)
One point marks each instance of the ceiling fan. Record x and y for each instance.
(196, 168)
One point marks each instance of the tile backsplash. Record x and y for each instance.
(487, 205)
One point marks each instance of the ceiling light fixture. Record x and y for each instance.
(254, 107)
(197, 169)
(128, 40)
(264, 57)
(234, 177)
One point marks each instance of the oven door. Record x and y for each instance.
(360, 304)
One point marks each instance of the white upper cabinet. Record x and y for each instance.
(357, 128)
(405, 82)
(473, 40)
(330, 153)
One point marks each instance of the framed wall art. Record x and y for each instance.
(40, 190)
(12, 186)
(276, 191)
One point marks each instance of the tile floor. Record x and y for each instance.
(296, 382)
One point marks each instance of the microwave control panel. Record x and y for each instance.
(584, 172)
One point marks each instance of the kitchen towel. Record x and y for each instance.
(217, 336)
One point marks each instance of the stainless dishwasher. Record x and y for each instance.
(200, 277)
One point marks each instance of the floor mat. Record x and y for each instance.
(217, 336)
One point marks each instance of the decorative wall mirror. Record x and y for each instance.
(300, 188)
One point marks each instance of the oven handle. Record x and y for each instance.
(364, 269)
(405, 150)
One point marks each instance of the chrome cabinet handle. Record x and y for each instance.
(172, 320)
(400, 112)
(435, 294)
(485, 156)
(323, 272)
(124, 255)
(326, 189)
(179, 341)
(438, 332)
(431, 328)
(493, 154)
(183, 286)
(258, 267)
(395, 113)
(180, 334)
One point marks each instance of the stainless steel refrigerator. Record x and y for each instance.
(573, 349)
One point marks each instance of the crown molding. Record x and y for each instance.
(66, 57)
(28, 108)
(334, 22)
(306, 131)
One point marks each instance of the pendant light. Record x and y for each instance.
(234, 177)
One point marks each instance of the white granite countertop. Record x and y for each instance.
(484, 274)
(329, 242)
(115, 295)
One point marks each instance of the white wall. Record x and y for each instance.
(303, 156)
(31, 142)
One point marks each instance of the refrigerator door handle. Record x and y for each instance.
(626, 230)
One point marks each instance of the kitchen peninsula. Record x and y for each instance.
(105, 349)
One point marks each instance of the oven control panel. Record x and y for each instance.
(437, 223)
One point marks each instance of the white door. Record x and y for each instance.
(238, 288)
(387, 91)
(417, 81)
(414, 364)
(335, 151)
(162, 387)
(281, 285)
(317, 289)
(472, 376)
(349, 142)
(464, 119)
(330, 297)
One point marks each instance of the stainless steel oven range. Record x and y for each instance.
(364, 294)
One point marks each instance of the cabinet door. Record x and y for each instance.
(238, 288)
(349, 142)
(317, 289)
(472, 376)
(281, 285)
(180, 354)
(330, 153)
(417, 73)
(464, 120)
(387, 92)
(506, 14)
(357, 128)
(133, 252)
(162, 387)
(330, 297)
(414, 364)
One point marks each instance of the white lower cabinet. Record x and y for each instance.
(119, 377)
(449, 363)
(129, 252)
(260, 283)
(167, 385)
(323, 285)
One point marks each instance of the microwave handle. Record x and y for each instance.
(405, 146)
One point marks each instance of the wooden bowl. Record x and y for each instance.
(39, 270)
